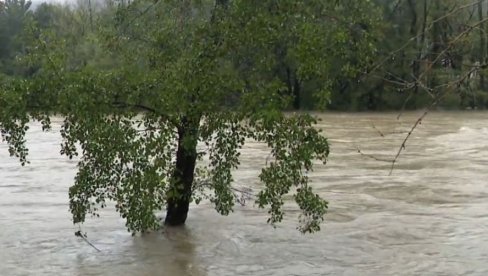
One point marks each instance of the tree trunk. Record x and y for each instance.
(437, 46)
(482, 53)
(420, 43)
(179, 195)
(296, 92)
(294, 88)
(413, 10)
(413, 33)
(180, 192)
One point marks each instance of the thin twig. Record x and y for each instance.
(415, 125)
(403, 145)
(373, 157)
(452, 43)
(267, 158)
(377, 130)
(210, 185)
(448, 85)
(404, 105)
(414, 38)
(383, 134)
(83, 236)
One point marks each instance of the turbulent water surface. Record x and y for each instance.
(430, 217)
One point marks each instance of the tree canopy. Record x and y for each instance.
(187, 74)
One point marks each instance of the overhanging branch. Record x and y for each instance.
(166, 117)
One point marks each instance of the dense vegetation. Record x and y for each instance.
(419, 46)
(143, 85)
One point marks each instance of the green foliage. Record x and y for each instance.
(14, 15)
(295, 144)
(164, 77)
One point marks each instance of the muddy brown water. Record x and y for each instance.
(429, 218)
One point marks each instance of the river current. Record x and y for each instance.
(430, 217)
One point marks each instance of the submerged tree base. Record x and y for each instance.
(177, 213)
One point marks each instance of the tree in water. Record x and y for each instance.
(192, 85)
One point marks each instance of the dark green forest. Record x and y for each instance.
(394, 55)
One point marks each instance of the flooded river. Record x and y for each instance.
(430, 217)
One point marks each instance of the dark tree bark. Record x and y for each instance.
(296, 92)
(482, 52)
(413, 33)
(413, 24)
(420, 43)
(294, 88)
(437, 44)
(223, 3)
(180, 193)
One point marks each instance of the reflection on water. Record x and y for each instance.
(430, 217)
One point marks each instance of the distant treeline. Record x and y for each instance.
(425, 51)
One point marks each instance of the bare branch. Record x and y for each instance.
(377, 130)
(452, 43)
(374, 157)
(415, 125)
(414, 38)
